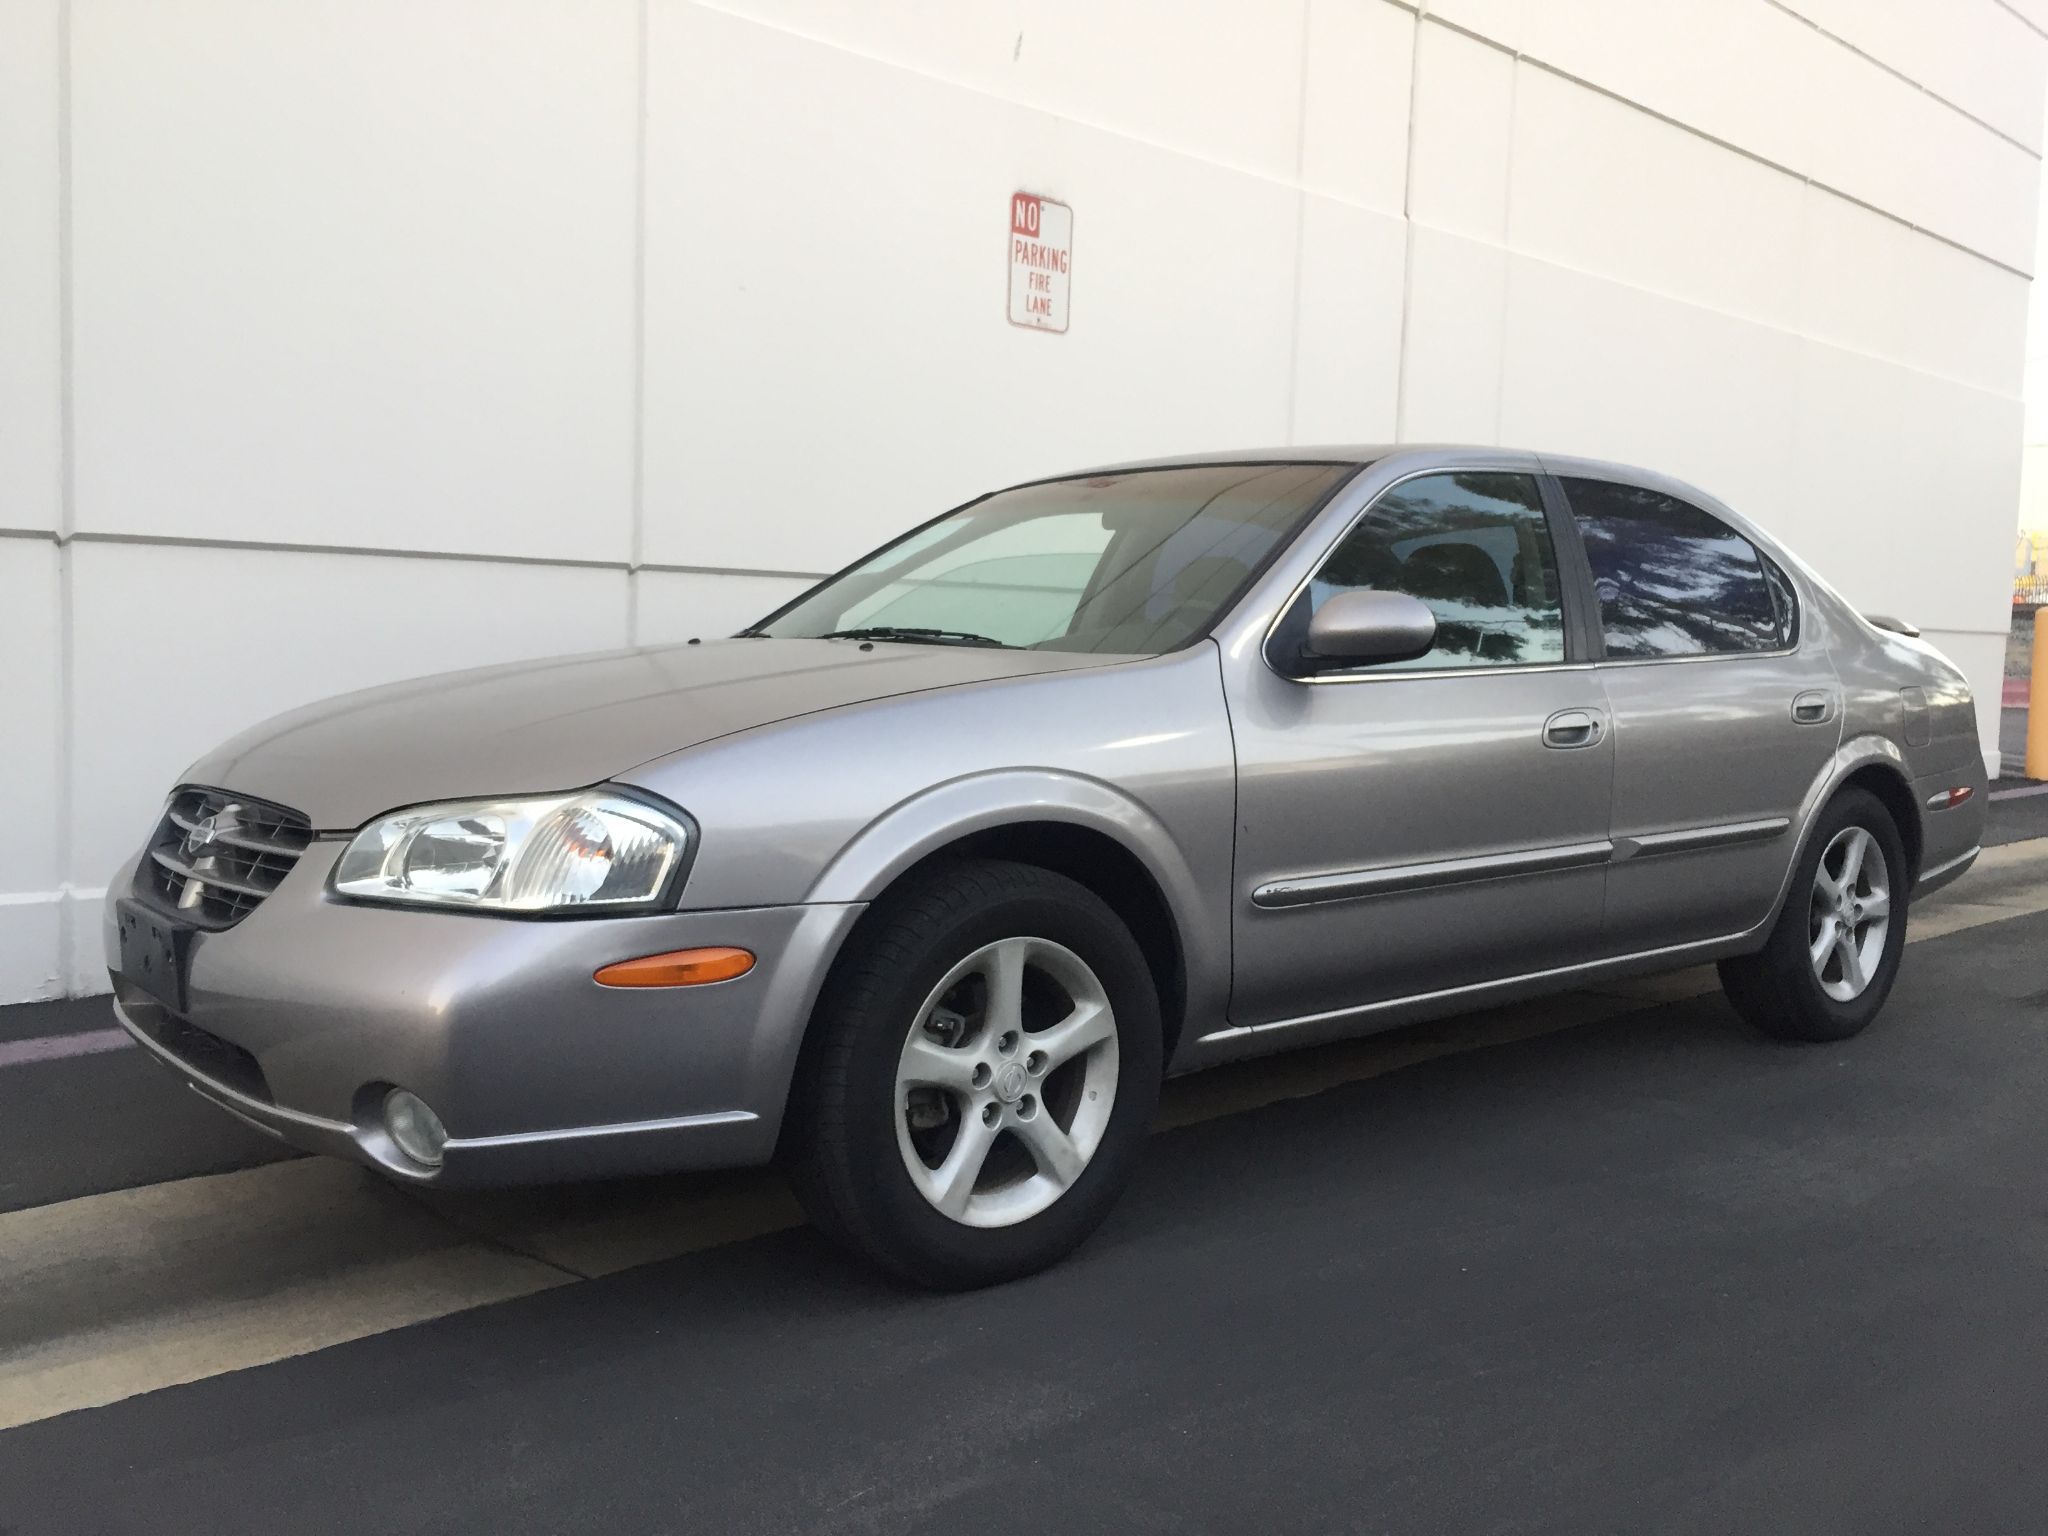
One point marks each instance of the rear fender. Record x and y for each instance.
(1852, 757)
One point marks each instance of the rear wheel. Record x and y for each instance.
(984, 1067)
(1832, 957)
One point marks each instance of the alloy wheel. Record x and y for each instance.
(1851, 914)
(1006, 1082)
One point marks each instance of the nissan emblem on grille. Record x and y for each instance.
(199, 837)
(214, 858)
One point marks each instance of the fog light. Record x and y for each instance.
(415, 1129)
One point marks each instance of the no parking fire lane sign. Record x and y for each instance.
(1041, 252)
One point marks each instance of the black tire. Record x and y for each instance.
(840, 1146)
(1776, 988)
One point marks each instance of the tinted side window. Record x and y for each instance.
(1672, 580)
(1475, 547)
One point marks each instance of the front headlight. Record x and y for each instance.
(590, 851)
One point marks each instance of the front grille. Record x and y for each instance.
(215, 856)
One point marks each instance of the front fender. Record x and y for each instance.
(920, 826)
(931, 820)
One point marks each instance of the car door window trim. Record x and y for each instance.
(1584, 638)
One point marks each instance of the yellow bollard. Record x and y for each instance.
(2037, 700)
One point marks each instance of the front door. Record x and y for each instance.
(1421, 827)
(1723, 720)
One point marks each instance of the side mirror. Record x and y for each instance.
(1356, 629)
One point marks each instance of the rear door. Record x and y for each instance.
(1723, 716)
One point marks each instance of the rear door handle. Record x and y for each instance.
(1572, 728)
(1815, 707)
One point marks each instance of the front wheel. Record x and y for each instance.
(983, 1070)
(1831, 959)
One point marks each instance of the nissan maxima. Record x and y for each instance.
(923, 883)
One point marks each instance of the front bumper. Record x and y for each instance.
(301, 1017)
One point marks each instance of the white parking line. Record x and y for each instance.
(88, 1042)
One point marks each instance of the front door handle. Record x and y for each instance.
(1815, 707)
(1571, 728)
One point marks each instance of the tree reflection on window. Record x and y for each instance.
(1473, 546)
(1672, 580)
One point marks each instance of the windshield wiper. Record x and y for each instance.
(915, 635)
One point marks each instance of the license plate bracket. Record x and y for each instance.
(154, 952)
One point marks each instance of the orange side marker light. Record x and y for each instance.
(678, 968)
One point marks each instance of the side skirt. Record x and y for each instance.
(1391, 1013)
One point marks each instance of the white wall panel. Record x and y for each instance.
(672, 606)
(1977, 54)
(1696, 222)
(1982, 660)
(1850, 493)
(305, 626)
(1354, 135)
(1593, 367)
(2034, 11)
(1853, 274)
(31, 950)
(1961, 462)
(1965, 319)
(1348, 362)
(1806, 103)
(836, 362)
(1219, 79)
(1457, 308)
(356, 274)
(30, 442)
(1464, 117)
(1500, 20)
(1880, 139)
(30, 705)
(1905, 489)
(1736, 69)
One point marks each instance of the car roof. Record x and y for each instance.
(1430, 455)
(1351, 453)
(1424, 455)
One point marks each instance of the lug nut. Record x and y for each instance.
(1035, 1063)
(991, 1113)
(981, 1075)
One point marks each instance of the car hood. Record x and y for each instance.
(534, 727)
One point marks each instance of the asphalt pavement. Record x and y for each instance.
(1612, 1265)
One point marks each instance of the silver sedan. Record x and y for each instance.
(924, 882)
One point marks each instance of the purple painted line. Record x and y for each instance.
(2019, 794)
(16, 1053)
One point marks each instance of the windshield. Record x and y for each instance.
(1134, 563)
